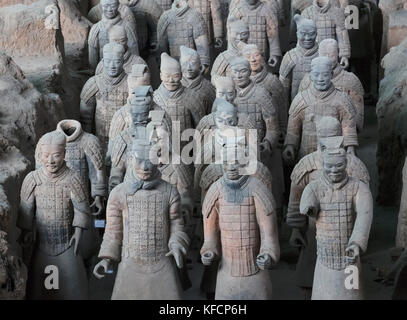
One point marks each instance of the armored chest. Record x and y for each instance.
(180, 33)
(258, 30)
(54, 216)
(204, 7)
(146, 227)
(253, 111)
(326, 27)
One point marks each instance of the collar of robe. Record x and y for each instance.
(322, 94)
(235, 189)
(148, 184)
(191, 83)
(308, 52)
(323, 9)
(243, 92)
(260, 76)
(171, 94)
(76, 125)
(54, 177)
(110, 81)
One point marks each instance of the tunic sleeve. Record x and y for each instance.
(363, 203)
(177, 224)
(27, 203)
(113, 238)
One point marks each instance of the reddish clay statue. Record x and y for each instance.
(55, 198)
(144, 229)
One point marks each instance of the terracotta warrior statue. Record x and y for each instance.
(343, 209)
(211, 11)
(277, 7)
(343, 80)
(144, 229)
(96, 12)
(330, 21)
(238, 33)
(55, 199)
(138, 112)
(179, 103)
(240, 230)
(103, 94)
(254, 102)
(99, 33)
(309, 106)
(309, 168)
(262, 77)
(297, 62)
(263, 26)
(183, 26)
(118, 35)
(146, 13)
(13, 272)
(193, 79)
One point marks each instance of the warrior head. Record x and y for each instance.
(113, 59)
(241, 72)
(52, 151)
(110, 8)
(140, 105)
(143, 166)
(226, 113)
(139, 76)
(252, 54)
(238, 32)
(118, 35)
(329, 133)
(171, 73)
(233, 152)
(334, 164)
(225, 88)
(306, 32)
(190, 63)
(329, 48)
(321, 73)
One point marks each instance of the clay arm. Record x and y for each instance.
(93, 47)
(363, 204)
(216, 11)
(401, 237)
(202, 46)
(112, 240)
(274, 41)
(286, 68)
(267, 221)
(210, 250)
(81, 219)
(294, 217)
(309, 204)
(178, 242)
(88, 104)
(117, 174)
(294, 131)
(348, 121)
(270, 117)
(26, 210)
(356, 93)
(343, 39)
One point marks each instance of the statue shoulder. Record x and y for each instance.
(93, 149)
(89, 90)
(211, 197)
(77, 187)
(306, 165)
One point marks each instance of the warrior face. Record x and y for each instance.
(113, 63)
(110, 8)
(140, 116)
(143, 168)
(231, 170)
(226, 90)
(171, 81)
(307, 34)
(329, 48)
(52, 157)
(118, 35)
(238, 36)
(191, 67)
(335, 167)
(252, 54)
(241, 75)
(321, 73)
(226, 114)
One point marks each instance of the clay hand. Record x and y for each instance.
(273, 60)
(344, 62)
(352, 253)
(264, 261)
(104, 264)
(297, 240)
(218, 43)
(208, 258)
(178, 252)
(309, 211)
(75, 240)
(98, 204)
(289, 154)
(351, 150)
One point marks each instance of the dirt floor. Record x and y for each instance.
(376, 262)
